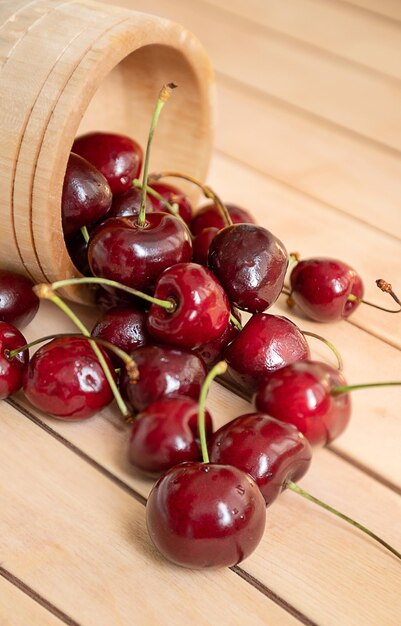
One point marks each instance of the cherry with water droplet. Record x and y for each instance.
(125, 327)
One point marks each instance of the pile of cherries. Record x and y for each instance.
(171, 285)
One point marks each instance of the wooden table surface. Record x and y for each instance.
(308, 137)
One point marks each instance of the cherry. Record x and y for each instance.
(173, 195)
(301, 394)
(202, 308)
(213, 351)
(86, 195)
(117, 157)
(128, 203)
(121, 250)
(210, 216)
(201, 245)
(165, 434)
(265, 344)
(163, 372)
(78, 250)
(65, 379)
(321, 288)
(123, 327)
(250, 262)
(270, 451)
(109, 298)
(205, 515)
(18, 303)
(11, 369)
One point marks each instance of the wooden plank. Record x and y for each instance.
(16, 606)
(320, 84)
(111, 530)
(334, 27)
(81, 541)
(314, 229)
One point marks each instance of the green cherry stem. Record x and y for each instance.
(130, 365)
(161, 101)
(171, 208)
(88, 280)
(235, 322)
(85, 233)
(45, 292)
(327, 507)
(337, 391)
(338, 356)
(387, 288)
(217, 370)
(207, 192)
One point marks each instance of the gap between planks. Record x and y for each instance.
(243, 574)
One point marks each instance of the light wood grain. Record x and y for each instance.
(387, 8)
(22, 607)
(65, 522)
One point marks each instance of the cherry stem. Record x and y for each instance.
(87, 280)
(293, 258)
(161, 101)
(387, 288)
(217, 370)
(85, 233)
(45, 292)
(338, 356)
(337, 391)
(207, 192)
(131, 366)
(235, 322)
(308, 496)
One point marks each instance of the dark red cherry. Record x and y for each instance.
(109, 298)
(86, 195)
(210, 216)
(300, 394)
(202, 310)
(205, 515)
(163, 372)
(265, 344)
(271, 452)
(11, 369)
(117, 157)
(124, 328)
(122, 251)
(78, 250)
(18, 303)
(128, 203)
(213, 351)
(65, 379)
(250, 262)
(321, 286)
(173, 196)
(165, 434)
(201, 245)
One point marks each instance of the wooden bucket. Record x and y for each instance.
(67, 67)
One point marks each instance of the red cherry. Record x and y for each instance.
(117, 157)
(86, 195)
(163, 372)
(271, 452)
(213, 351)
(250, 262)
(201, 245)
(11, 369)
(204, 515)
(123, 327)
(135, 256)
(65, 379)
(320, 287)
(202, 311)
(165, 434)
(300, 394)
(265, 344)
(173, 196)
(128, 204)
(78, 250)
(18, 303)
(210, 216)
